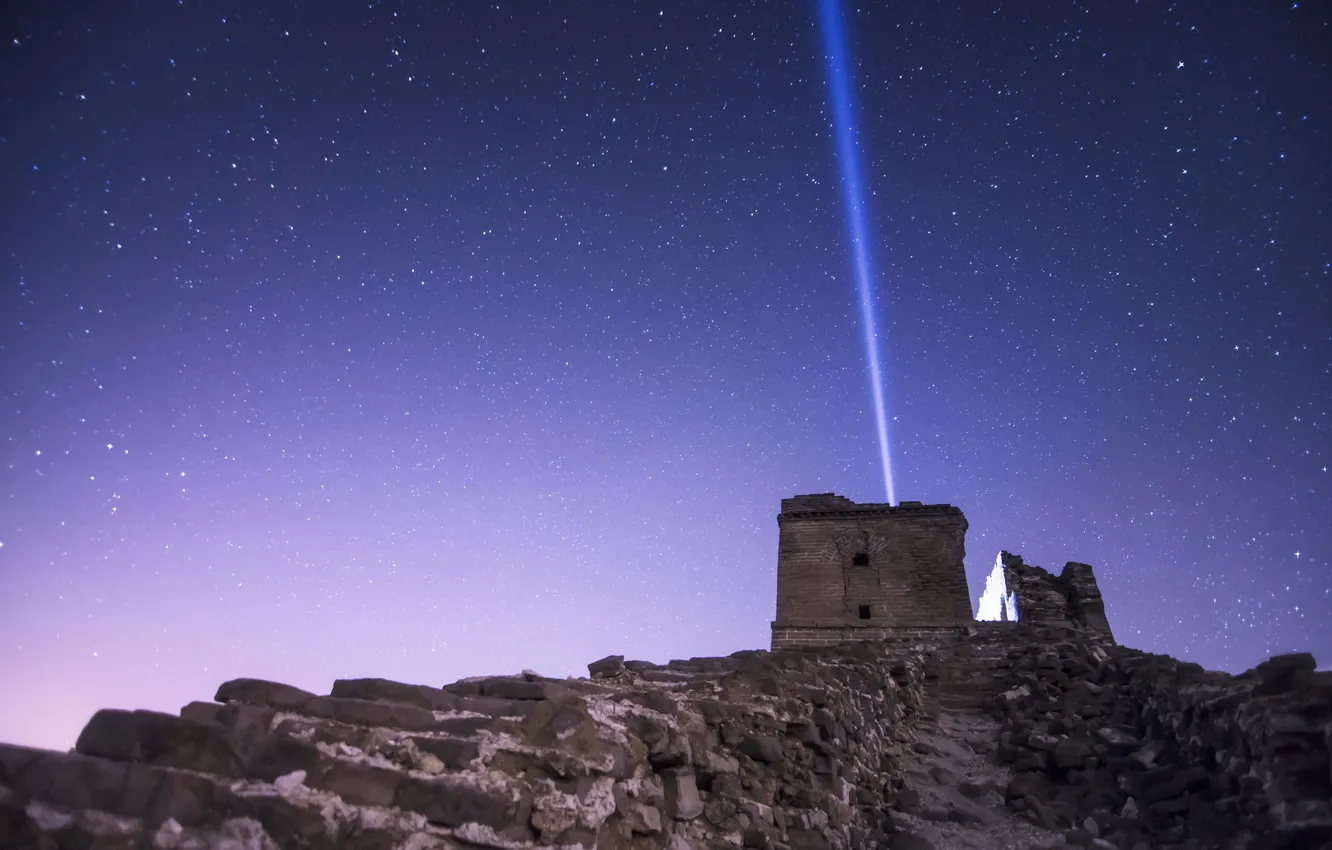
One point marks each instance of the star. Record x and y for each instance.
(461, 342)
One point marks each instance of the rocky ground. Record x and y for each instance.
(954, 797)
(1000, 737)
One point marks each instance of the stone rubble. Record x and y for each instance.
(1001, 735)
(1142, 751)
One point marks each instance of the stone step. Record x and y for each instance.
(306, 782)
(84, 801)
(128, 789)
(36, 824)
(163, 741)
(241, 742)
(961, 705)
(381, 702)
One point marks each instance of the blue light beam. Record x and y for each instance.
(839, 90)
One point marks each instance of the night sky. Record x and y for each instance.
(426, 340)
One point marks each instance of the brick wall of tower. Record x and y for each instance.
(858, 570)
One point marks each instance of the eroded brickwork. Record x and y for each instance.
(847, 571)
(1071, 598)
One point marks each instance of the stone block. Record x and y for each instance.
(202, 712)
(1282, 673)
(907, 840)
(518, 689)
(908, 800)
(187, 798)
(1069, 753)
(976, 788)
(1026, 785)
(682, 799)
(462, 726)
(70, 780)
(495, 707)
(74, 781)
(293, 825)
(280, 755)
(641, 818)
(384, 690)
(808, 839)
(607, 668)
(360, 783)
(454, 753)
(667, 748)
(157, 738)
(247, 727)
(456, 802)
(1169, 782)
(261, 692)
(762, 748)
(360, 712)
(1175, 806)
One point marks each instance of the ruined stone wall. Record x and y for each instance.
(1071, 598)
(790, 750)
(805, 749)
(1155, 752)
(864, 570)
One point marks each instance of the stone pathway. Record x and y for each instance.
(954, 798)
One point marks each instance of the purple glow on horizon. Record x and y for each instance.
(419, 341)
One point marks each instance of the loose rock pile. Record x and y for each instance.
(1143, 751)
(1000, 737)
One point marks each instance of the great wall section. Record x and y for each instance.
(885, 716)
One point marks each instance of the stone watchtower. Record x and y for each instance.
(863, 572)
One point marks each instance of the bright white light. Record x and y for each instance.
(839, 84)
(996, 603)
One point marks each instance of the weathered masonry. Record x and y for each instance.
(1015, 590)
(865, 572)
(849, 572)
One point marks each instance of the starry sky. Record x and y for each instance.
(424, 340)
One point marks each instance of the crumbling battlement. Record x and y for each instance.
(1035, 596)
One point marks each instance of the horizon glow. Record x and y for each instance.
(843, 111)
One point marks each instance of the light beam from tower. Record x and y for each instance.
(843, 112)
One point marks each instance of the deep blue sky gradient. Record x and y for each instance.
(423, 340)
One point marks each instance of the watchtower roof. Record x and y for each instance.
(820, 504)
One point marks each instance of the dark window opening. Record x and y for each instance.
(864, 612)
(860, 559)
